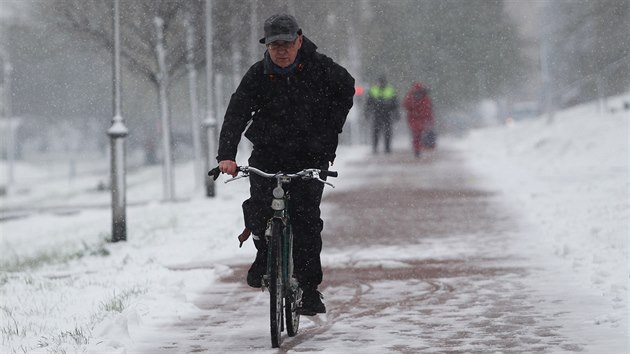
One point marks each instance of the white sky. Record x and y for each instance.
(567, 181)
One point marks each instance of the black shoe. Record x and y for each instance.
(257, 270)
(312, 303)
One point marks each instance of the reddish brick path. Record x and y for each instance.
(435, 302)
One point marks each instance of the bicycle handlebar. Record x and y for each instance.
(327, 173)
(214, 173)
(308, 173)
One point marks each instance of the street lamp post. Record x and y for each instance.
(545, 62)
(11, 121)
(210, 123)
(194, 110)
(117, 133)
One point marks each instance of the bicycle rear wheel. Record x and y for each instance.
(275, 283)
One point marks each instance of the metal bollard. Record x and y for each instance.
(210, 124)
(117, 133)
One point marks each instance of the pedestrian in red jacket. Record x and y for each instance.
(419, 114)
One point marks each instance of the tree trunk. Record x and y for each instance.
(169, 190)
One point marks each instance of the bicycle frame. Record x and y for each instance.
(281, 213)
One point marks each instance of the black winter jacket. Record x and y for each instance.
(296, 118)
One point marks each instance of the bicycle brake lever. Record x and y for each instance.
(234, 178)
(328, 183)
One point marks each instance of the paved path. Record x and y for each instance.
(416, 260)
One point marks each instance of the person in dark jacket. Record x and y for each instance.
(297, 100)
(382, 108)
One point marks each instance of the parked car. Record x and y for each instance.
(522, 110)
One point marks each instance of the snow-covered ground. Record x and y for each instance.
(64, 289)
(568, 180)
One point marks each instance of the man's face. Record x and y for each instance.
(283, 53)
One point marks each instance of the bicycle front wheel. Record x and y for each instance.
(292, 291)
(275, 283)
(291, 303)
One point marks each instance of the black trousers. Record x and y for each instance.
(384, 127)
(306, 221)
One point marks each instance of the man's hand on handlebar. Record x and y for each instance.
(229, 167)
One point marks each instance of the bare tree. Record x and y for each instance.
(590, 47)
(154, 45)
(91, 20)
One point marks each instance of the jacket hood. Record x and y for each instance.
(308, 47)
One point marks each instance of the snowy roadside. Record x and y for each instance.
(568, 182)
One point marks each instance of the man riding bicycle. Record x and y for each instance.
(298, 100)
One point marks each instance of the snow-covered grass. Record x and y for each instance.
(64, 289)
(571, 177)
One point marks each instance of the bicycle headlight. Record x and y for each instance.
(277, 204)
(278, 192)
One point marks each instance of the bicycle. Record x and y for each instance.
(284, 290)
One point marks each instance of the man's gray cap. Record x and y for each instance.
(281, 27)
